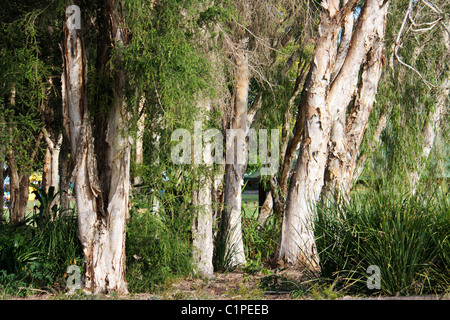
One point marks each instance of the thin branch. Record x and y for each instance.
(432, 7)
(397, 45)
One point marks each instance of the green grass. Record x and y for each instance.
(157, 249)
(405, 236)
(37, 256)
(249, 198)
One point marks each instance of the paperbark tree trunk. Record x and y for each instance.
(19, 187)
(297, 239)
(51, 163)
(235, 167)
(266, 209)
(50, 176)
(101, 189)
(328, 90)
(202, 233)
(347, 132)
(139, 152)
(202, 226)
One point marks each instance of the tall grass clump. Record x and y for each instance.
(260, 241)
(36, 255)
(158, 247)
(405, 235)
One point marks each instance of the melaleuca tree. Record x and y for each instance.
(335, 103)
(252, 40)
(414, 93)
(169, 60)
(28, 74)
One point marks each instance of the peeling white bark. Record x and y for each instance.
(202, 233)
(329, 88)
(102, 203)
(297, 239)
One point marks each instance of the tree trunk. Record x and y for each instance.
(328, 90)
(65, 177)
(19, 188)
(46, 176)
(266, 209)
(202, 226)
(236, 165)
(202, 232)
(139, 153)
(51, 162)
(101, 190)
(50, 176)
(297, 239)
(347, 132)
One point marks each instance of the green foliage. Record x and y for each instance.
(30, 61)
(45, 203)
(410, 101)
(259, 241)
(37, 256)
(157, 249)
(403, 235)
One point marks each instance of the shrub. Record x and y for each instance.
(404, 235)
(38, 255)
(157, 248)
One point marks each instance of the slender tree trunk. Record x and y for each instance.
(64, 169)
(46, 177)
(51, 162)
(18, 184)
(50, 176)
(101, 190)
(202, 232)
(266, 209)
(202, 226)
(235, 168)
(139, 152)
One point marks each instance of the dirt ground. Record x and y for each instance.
(229, 286)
